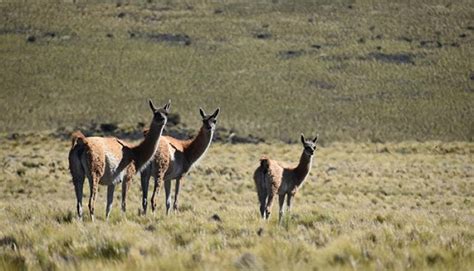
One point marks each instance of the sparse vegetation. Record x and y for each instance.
(364, 206)
(388, 85)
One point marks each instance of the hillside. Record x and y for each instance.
(352, 71)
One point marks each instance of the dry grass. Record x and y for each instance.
(353, 71)
(364, 206)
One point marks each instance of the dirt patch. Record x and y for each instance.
(287, 54)
(47, 36)
(262, 35)
(400, 58)
(455, 44)
(50, 34)
(181, 39)
(177, 39)
(378, 37)
(216, 217)
(31, 39)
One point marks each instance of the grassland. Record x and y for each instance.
(370, 71)
(364, 206)
(388, 85)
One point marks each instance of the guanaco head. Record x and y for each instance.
(209, 121)
(160, 115)
(309, 145)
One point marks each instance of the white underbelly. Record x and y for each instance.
(175, 168)
(111, 176)
(110, 180)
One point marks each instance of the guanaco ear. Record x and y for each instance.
(203, 115)
(302, 139)
(152, 106)
(214, 115)
(316, 139)
(167, 106)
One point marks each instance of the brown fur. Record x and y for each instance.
(273, 178)
(108, 161)
(174, 159)
(77, 137)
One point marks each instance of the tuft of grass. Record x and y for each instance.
(68, 217)
(248, 261)
(9, 261)
(107, 250)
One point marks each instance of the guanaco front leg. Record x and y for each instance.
(281, 201)
(156, 191)
(168, 195)
(110, 199)
(125, 186)
(145, 183)
(176, 193)
(289, 197)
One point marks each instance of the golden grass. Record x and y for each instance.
(365, 71)
(364, 206)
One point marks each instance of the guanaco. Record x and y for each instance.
(272, 178)
(109, 161)
(174, 159)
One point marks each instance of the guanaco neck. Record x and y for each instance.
(144, 151)
(198, 145)
(302, 170)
